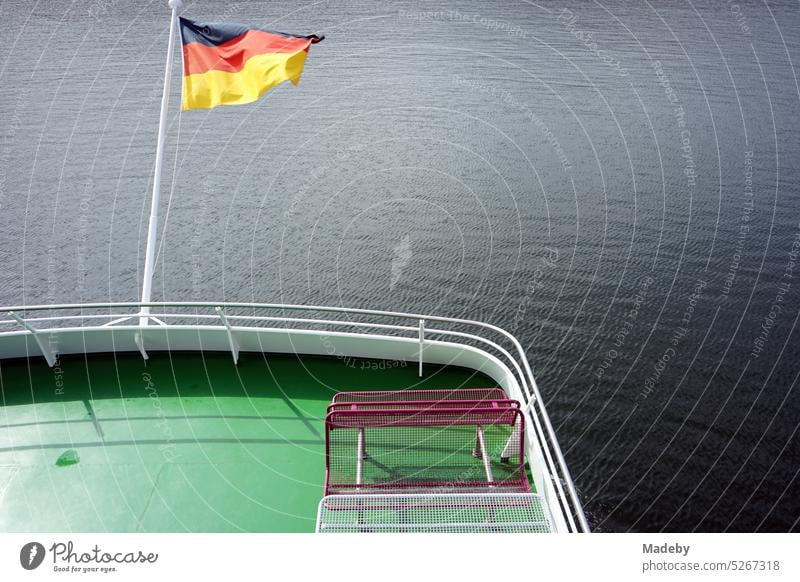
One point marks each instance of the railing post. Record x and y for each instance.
(48, 353)
(421, 343)
(529, 405)
(138, 339)
(232, 341)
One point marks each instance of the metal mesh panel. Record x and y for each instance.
(425, 451)
(422, 395)
(453, 513)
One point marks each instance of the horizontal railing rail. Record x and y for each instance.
(502, 344)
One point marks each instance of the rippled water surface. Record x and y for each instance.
(615, 182)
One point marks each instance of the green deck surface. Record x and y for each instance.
(183, 442)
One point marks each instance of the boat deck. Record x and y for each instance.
(182, 442)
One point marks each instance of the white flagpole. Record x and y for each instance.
(149, 257)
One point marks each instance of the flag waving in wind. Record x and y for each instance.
(232, 64)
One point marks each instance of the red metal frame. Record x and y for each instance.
(477, 415)
(423, 404)
(432, 395)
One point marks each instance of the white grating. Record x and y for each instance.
(434, 513)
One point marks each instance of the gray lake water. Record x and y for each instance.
(616, 183)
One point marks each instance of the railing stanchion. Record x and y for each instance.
(232, 341)
(138, 339)
(421, 343)
(47, 352)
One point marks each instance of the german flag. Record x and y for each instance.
(232, 64)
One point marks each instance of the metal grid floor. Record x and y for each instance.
(434, 513)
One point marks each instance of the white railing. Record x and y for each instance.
(40, 319)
